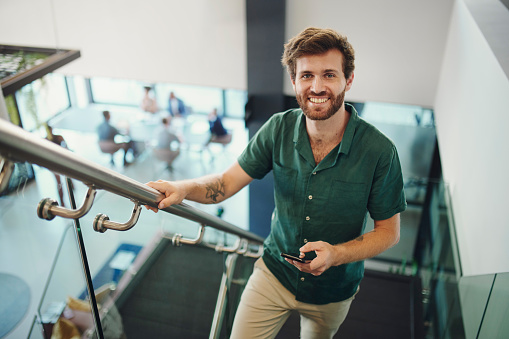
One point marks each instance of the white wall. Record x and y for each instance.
(399, 44)
(472, 118)
(191, 42)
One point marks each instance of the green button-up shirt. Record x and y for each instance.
(328, 201)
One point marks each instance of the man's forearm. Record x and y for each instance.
(214, 188)
(384, 236)
(209, 189)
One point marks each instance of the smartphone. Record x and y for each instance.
(293, 257)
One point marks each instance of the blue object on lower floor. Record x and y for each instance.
(112, 271)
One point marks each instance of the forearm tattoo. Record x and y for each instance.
(214, 190)
(361, 237)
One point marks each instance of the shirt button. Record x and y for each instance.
(302, 279)
(305, 241)
(314, 173)
(307, 218)
(310, 197)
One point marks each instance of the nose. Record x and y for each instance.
(317, 86)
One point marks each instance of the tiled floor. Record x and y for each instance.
(28, 245)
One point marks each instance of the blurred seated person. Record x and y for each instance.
(176, 106)
(168, 143)
(149, 103)
(107, 143)
(218, 133)
(60, 141)
(55, 138)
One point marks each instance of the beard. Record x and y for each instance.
(322, 113)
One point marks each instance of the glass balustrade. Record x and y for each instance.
(144, 282)
(494, 322)
(65, 306)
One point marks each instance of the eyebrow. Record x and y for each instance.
(329, 70)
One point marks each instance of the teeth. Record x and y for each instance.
(318, 100)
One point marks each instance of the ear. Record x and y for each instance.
(293, 83)
(349, 82)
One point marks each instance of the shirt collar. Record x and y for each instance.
(300, 137)
(353, 122)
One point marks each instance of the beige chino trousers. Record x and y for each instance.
(266, 304)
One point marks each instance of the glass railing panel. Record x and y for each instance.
(494, 323)
(65, 306)
(401, 256)
(27, 249)
(113, 254)
(437, 266)
(36, 330)
(474, 292)
(444, 311)
(131, 261)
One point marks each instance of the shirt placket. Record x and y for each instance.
(307, 228)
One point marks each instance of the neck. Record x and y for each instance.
(328, 131)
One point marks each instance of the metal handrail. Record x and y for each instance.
(17, 144)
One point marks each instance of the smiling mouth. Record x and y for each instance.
(318, 100)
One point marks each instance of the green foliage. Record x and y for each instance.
(12, 110)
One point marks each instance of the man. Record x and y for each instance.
(107, 133)
(166, 136)
(149, 103)
(330, 168)
(218, 133)
(176, 106)
(216, 125)
(168, 143)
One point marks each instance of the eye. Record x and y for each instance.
(330, 75)
(306, 76)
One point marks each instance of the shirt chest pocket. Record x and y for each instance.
(349, 201)
(284, 182)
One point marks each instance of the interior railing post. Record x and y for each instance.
(86, 269)
(221, 304)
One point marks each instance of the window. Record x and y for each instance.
(41, 100)
(116, 91)
(235, 101)
(198, 99)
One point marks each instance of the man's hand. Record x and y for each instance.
(173, 192)
(326, 256)
(384, 235)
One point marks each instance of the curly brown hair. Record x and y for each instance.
(312, 41)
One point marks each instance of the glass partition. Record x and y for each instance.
(145, 284)
(65, 306)
(125, 267)
(36, 330)
(494, 321)
(474, 293)
(436, 254)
